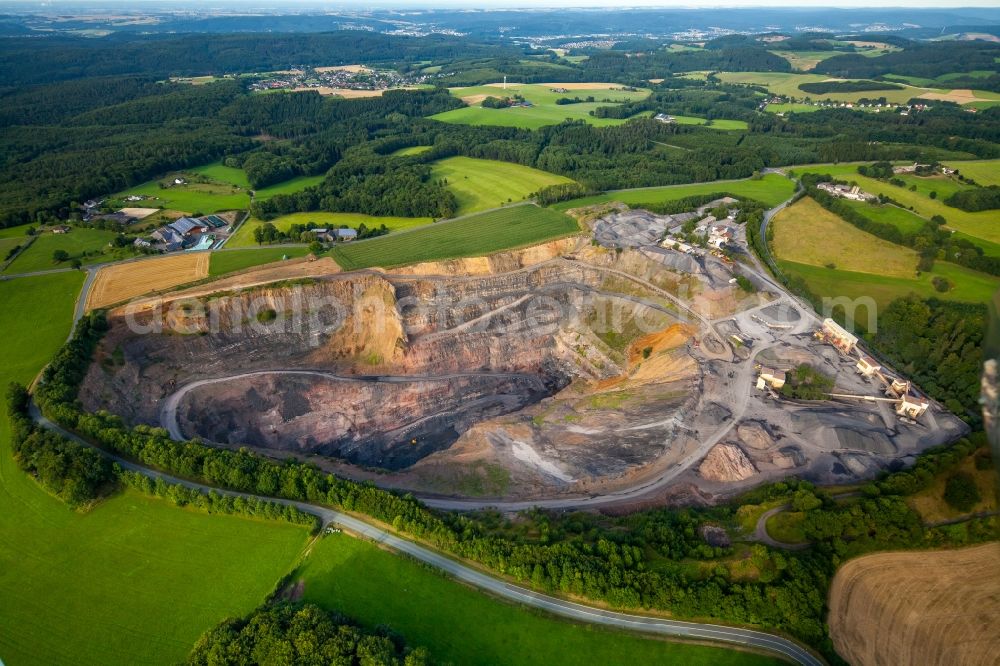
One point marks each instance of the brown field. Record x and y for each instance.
(928, 608)
(473, 99)
(347, 93)
(291, 269)
(121, 282)
(656, 80)
(959, 96)
(139, 213)
(353, 69)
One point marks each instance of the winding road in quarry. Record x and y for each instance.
(168, 411)
(693, 631)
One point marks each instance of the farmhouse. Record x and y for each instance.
(61, 229)
(837, 336)
(664, 118)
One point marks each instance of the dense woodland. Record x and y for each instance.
(296, 634)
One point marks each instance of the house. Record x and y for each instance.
(188, 226)
(141, 242)
(664, 118)
(61, 229)
(837, 336)
(344, 234)
(772, 378)
(171, 239)
(867, 366)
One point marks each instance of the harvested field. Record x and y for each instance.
(353, 69)
(139, 213)
(124, 281)
(959, 96)
(940, 607)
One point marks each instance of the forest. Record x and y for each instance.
(297, 634)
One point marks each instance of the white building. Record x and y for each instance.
(770, 377)
(837, 336)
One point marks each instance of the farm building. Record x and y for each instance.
(188, 226)
(171, 239)
(664, 118)
(852, 192)
(344, 234)
(61, 229)
(837, 336)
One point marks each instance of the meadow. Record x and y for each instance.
(412, 150)
(981, 225)
(225, 188)
(544, 110)
(787, 85)
(227, 261)
(462, 626)
(244, 235)
(808, 240)
(485, 184)
(134, 580)
(984, 172)
(770, 189)
(471, 236)
(902, 219)
(88, 245)
(807, 233)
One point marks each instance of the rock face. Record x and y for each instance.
(726, 462)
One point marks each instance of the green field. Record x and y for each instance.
(978, 225)
(468, 237)
(244, 236)
(15, 232)
(970, 286)
(77, 242)
(462, 626)
(412, 150)
(771, 189)
(792, 108)
(984, 172)
(786, 527)
(484, 184)
(806, 60)
(544, 111)
(227, 189)
(900, 218)
(227, 261)
(134, 580)
(787, 85)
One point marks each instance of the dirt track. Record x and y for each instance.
(940, 607)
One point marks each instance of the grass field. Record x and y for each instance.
(902, 219)
(226, 261)
(484, 184)
(806, 60)
(792, 108)
(468, 237)
(121, 282)
(984, 172)
(462, 626)
(88, 245)
(771, 189)
(930, 504)
(412, 150)
(544, 111)
(226, 188)
(970, 286)
(786, 527)
(787, 85)
(807, 233)
(15, 232)
(133, 581)
(244, 236)
(979, 225)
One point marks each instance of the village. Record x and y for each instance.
(338, 78)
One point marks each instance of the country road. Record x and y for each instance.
(696, 631)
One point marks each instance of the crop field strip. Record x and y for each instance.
(120, 282)
(471, 236)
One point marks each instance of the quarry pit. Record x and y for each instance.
(564, 374)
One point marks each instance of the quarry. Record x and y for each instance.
(610, 367)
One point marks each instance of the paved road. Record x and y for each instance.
(578, 612)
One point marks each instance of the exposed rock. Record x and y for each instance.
(726, 462)
(715, 536)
